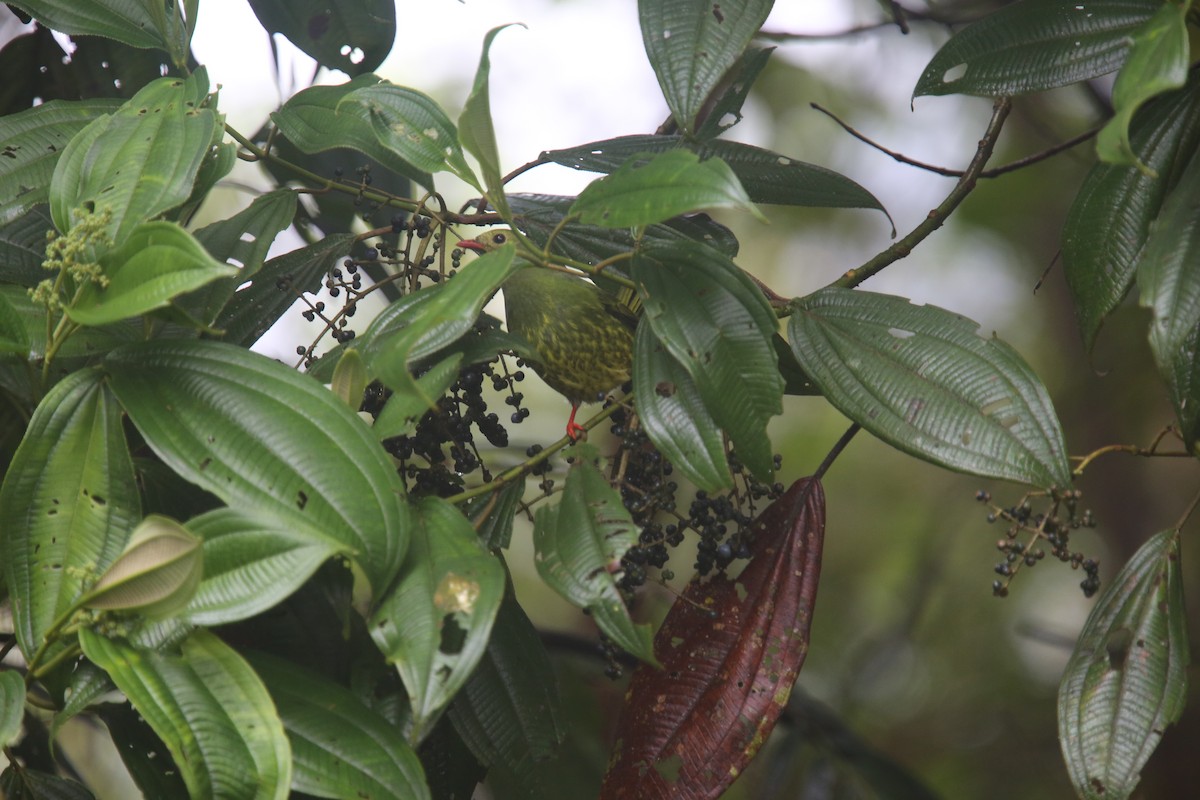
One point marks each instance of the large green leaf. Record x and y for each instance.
(924, 381)
(13, 336)
(654, 188)
(158, 262)
(1157, 63)
(674, 417)
(577, 540)
(251, 563)
(1111, 216)
(23, 247)
(138, 23)
(69, 502)
(211, 710)
(253, 309)
(267, 441)
(717, 324)
(767, 177)
(692, 43)
(435, 621)
(314, 120)
(1035, 45)
(1170, 285)
(508, 713)
(33, 141)
(141, 160)
(1127, 678)
(340, 748)
(477, 134)
(145, 755)
(411, 125)
(354, 36)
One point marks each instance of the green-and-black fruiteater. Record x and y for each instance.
(583, 335)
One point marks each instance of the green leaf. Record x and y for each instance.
(33, 142)
(654, 188)
(692, 43)
(12, 706)
(211, 710)
(132, 22)
(1157, 63)
(158, 262)
(508, 713)
(267, 441)
(411, 125)
(157, 573)
(1127, 678)
(578, 540)
(69, 501)
(417, 328)
(476, 133)
(767, 177)
(23, 247)
(252, 563)
(1036, 45)
(350, 379)
(145, 755)
(492, 515)
(354, 36)
(727, 109)
(674, 417)
(340, 748)
(314, 120)
(252, 310)
(140, 161)
(1112, 214)
(29, 784)
(13, 336)
(716, 323)
(1170, 284)
(403, 410)
(434, 622)
(922, 379)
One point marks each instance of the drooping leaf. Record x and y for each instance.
(411, 125)
(1112, 214)
(267, 441)
(692, 43)
(139, 161)
(1127, 678)
(144, 754)
(253, 309)
(575, 544)
(252, 563)
(716, 323)
(340, 748)
(922, 379)
(735, 88)
(1170, 284)
(674, 417)
(435, 622)
(730, 651)
(1157, 63)
(315, 120)
(476, 133)
(12, 706)
(657, 187)
(767, 177)
(508, 712)
(69, 502)
(156, 574)
(211, 710)
(492, 515)
(158, 262)
(1036, 45)
(33, 142)
(353, 36)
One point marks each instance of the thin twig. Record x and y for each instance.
(937, 217)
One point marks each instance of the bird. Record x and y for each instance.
(583, 334)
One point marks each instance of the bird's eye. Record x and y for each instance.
(499, 239)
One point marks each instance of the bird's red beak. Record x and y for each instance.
(471, 244)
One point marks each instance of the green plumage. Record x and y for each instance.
(583, 335)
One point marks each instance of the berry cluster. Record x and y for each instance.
(1051, 529)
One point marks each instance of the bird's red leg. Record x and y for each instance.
(574, 431)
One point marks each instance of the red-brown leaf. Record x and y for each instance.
(730, 650)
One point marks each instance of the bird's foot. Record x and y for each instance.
(575, 432)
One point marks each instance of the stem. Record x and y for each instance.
(1131, 449)
(937, 217)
